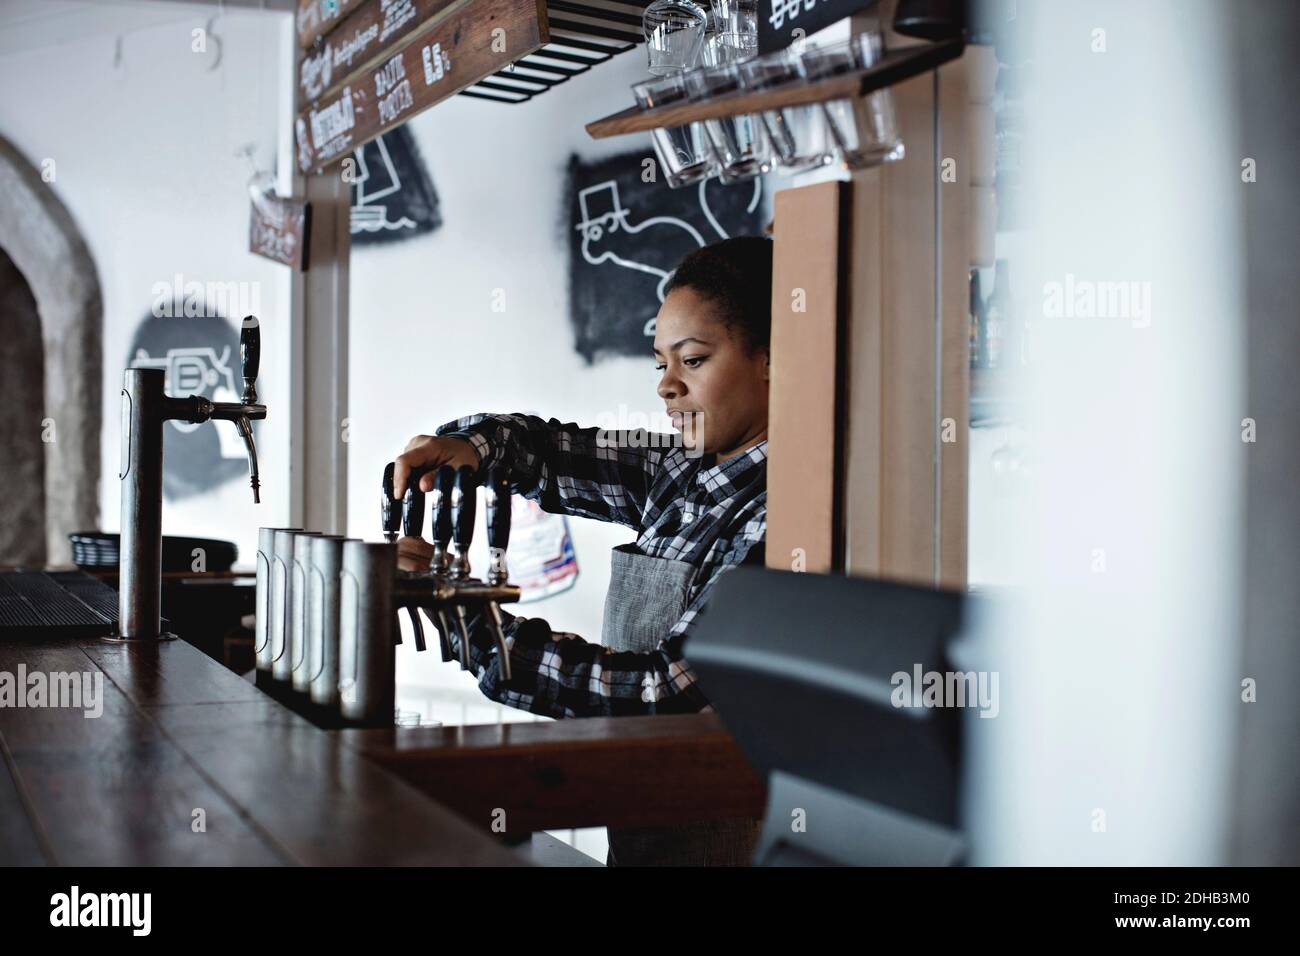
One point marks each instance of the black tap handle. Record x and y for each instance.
(250, 356)
(413, 508)
(497, 501)
(442, 492)
(463, 503)
(390, 517)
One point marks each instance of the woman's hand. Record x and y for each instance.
(413, 554)
(429, 453)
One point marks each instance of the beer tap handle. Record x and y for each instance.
(390, 517)
(497, 502)
(413, 507)
(463, 506)
(250, 357)
(440, 504)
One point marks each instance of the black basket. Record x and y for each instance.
(97, 549)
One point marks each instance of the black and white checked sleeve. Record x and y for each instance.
(564, 468)
(559, 674)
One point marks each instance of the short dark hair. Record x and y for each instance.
(736, 275)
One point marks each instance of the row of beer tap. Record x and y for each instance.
(327, 606)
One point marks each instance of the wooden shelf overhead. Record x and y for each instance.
(897, 65)
(367, 66)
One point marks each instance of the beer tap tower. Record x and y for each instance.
(446, 588)
(146, 408)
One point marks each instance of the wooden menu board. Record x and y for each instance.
(316, 18)
(278, 230)
(457, 46)
(362, 39)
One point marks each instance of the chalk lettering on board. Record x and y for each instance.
(436, 63)
(392, 196)
(396, 14)
(389, 75)
(315, 74)
(348, 50)
(395, 103)
(331, 127)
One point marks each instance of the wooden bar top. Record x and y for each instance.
(183, 740)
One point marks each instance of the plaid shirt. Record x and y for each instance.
(712, 516)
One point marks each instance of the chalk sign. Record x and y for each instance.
(626, 236)
(781, 22)
(277, 230)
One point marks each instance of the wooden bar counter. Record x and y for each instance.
(183, 741)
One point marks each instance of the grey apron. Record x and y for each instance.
(647, 596)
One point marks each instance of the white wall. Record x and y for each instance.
(144, 153)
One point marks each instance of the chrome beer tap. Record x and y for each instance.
(410, 519)
(496, 501)
(463, 504)
(440, 563)
(146, 408)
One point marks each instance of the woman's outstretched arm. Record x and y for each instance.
(566, 469)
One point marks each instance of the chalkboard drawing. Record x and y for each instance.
(200, 356)
(604, 218)
(392, 195)
(628, 237)
(190, 371)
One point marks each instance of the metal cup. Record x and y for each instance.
(301, 611)
(282, 601)
(322, 665)
(262, 611)
(367, 617)
(297, 649)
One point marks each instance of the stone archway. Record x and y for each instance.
(38, 235)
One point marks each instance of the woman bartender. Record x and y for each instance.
(699, 506)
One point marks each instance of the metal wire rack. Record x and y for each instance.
(584, 33)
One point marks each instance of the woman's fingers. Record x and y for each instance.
(426, 453)
(421, 452)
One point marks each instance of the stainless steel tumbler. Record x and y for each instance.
(367, 616)
(322, 665)
(262, 611)
(297, 640)
(282, 581)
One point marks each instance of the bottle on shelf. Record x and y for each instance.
(976, 319)
(998, 320)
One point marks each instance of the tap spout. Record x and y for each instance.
(246, 432)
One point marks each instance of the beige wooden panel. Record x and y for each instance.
(954, 303)
(802, 473)
(906, 354)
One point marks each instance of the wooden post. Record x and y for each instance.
(805, 433)
(869, 422)
(907, 353)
